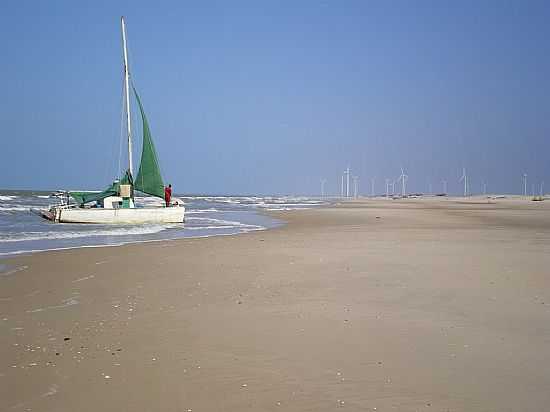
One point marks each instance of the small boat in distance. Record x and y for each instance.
(116, 203)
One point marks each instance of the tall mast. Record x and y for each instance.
(127, 95)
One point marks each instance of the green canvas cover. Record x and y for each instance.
(87, 197)
(148, 179)
(113, 190)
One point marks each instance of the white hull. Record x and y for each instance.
(173, 214)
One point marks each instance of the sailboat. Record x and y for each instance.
(116, 204)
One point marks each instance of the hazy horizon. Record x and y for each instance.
(245, 98)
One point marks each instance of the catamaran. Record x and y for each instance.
(116, 204)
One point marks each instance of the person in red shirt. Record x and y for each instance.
(167, 194)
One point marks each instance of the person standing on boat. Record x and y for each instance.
(167, 194)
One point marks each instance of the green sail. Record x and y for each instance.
(148, 179)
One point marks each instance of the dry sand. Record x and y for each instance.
(380, 305)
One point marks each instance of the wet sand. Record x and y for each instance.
(412, 305)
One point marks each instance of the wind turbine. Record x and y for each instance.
(323, 181)
(444, 186)
(465, 179)
(484, 187)
(347, 184)
(387, 187)
(372, 186)
(541, 186)
(355, 186)
(403, 177)
(342, 187)
(525, 184)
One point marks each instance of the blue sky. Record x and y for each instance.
(268, 97)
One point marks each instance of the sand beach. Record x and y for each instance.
(372, 305)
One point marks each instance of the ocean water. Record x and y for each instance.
(21, 231)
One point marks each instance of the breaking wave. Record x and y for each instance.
(118, 231)
(11, 208)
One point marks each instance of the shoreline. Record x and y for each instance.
(9, 255)
(495, 200)
(388, 305)
(274, 224)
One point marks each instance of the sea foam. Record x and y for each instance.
(115, 231)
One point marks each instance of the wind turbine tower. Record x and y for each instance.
(323, 181)
(372, 187)
(465, 179)
(342, 187)
(444, 186)
(355, 185)
(525, 184)
(347, 182)
(387, 187)
(403, 177)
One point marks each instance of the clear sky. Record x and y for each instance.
(267, 97)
